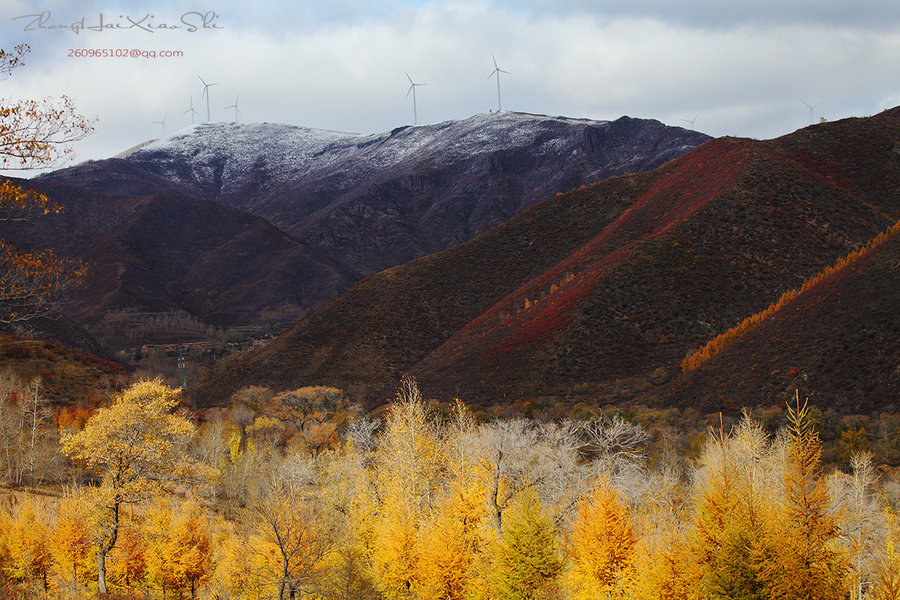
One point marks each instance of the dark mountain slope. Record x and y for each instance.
(167, 252)
(740, 228)
(601, 292)
(838, 343)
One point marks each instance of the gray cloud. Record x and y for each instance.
(342, 67)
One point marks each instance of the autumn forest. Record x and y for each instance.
(296, 495)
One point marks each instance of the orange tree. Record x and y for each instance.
(33, 134)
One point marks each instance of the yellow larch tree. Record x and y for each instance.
(347, 573)
(127, 560)
(456, 535)
(407, 469)
(886, 584)
(240, 569)
(137, 445)
(27, 545)
(71, 544)
(732, 534)
(664, 568)
(601, 546)
(807, 564)
(179, 547)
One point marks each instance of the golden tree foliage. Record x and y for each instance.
(128, 559)
(408, 514)
(733, 538)
(601, 546)
(448, 545)
(71, 544)
(807, 563)
(407, 468)
(456, 534)
(295, 532)
(137, 445)
(664, 566)
(33, 133)
(886, 584)
(28, 547)
(240, 571)
(179, 548)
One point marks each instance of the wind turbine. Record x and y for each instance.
(497, 70)
(206, 87)
(691, 121)
(811, 107)
(412, 88)
(192, 110)
(237, 111)
(163, 123)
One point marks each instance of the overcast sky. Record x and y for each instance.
(736, 67)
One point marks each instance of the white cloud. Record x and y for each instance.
(342, 67)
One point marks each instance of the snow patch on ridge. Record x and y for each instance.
(221, 155)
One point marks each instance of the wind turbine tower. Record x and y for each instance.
(237, 111)
(191, 110)
(691, 121)
(412, 88)
(496, 72)
(163, 123)
(810, 107)
(206, 87)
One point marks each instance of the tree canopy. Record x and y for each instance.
(33, 134)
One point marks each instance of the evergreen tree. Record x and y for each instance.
(528, 564)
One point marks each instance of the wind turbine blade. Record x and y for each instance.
(494, 72)
(502, 71)
(495, 61)
(409, 90)
(408, 77)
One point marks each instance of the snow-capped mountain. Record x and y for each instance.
(337, 206)
(375, 201)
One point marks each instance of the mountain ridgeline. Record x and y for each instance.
(598, 294)
(249, 225)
